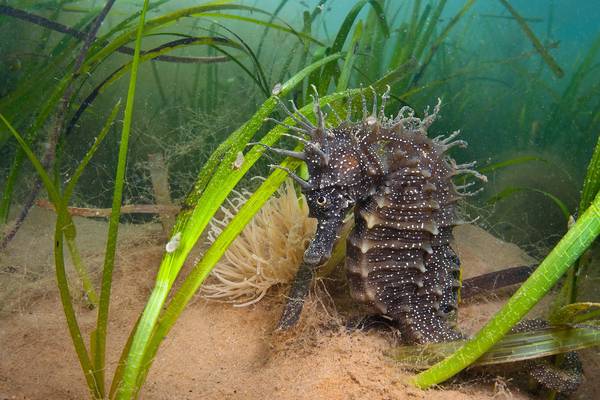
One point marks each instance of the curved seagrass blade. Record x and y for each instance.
(513, 347)
(575, 313)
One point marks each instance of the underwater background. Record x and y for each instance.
(520, 79)
(509, 98)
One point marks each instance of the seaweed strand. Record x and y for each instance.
(58, 27)
(556, 69)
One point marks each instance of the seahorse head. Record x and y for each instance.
(336, 180)
(337, 176)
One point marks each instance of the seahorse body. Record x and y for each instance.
(399, 181)
(399, 258)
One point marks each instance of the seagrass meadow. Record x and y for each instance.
(156, 211)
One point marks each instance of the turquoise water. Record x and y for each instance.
(513, 101)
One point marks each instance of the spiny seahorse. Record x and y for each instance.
(399, 260)
(399, 183)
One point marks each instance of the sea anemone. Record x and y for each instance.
(267, 252)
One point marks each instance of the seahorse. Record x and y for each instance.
(398, 182)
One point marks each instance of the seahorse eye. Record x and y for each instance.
(321, 200)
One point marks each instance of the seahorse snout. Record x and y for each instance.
(319, 249)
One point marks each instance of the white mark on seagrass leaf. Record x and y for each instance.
(239, 161)
(277, 89)
(173, 243)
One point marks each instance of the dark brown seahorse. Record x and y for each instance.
(399, 260)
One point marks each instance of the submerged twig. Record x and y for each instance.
(495, 280)
(160, 209)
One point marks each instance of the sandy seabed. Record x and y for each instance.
(216, 351)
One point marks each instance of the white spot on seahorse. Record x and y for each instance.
(173, 243)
